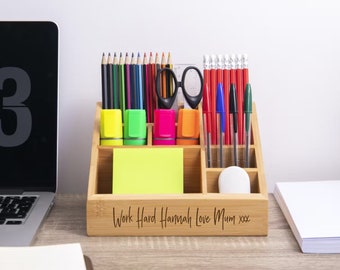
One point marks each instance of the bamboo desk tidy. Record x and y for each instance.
(201, 210)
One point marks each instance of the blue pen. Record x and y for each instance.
(220, 113)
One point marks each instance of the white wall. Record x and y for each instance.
(294, 58)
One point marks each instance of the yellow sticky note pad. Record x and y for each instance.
(147, 171)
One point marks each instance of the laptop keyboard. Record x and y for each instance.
(14, 210)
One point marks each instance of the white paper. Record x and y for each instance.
(65, 257)
(312, 211)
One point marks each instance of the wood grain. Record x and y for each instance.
(201, 210)
(279, 250)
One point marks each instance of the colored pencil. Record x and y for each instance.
(152, 83)
(146, 87)
(115, 95)
(104, 82)
(109, 82)
(121, 76)
(157, 68)
(139, 82)
(127, 82)
(170, 85)
(163, 78)
(133, 93)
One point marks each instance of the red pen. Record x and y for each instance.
(226, 86)
(240, 96)
(213, 90)
(207, 122)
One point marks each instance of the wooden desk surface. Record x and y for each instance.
(279, 250)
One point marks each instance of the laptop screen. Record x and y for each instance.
(28, 105)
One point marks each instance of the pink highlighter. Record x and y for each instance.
(164, 129)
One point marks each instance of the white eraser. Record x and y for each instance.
(234, 180)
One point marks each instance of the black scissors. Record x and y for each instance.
(167, 102)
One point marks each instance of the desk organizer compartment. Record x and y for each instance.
(200, 210)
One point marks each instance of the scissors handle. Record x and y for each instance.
(166, 102)
(193, 101)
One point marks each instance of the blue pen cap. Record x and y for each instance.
(220, 105)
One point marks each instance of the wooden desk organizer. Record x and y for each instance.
(201, 210)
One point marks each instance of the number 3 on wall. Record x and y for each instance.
(15, 104)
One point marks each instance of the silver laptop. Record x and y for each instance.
(28, 128)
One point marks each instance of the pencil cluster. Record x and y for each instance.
(232, 72)
(128, 82)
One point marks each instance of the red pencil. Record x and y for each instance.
(232, 63)
(213, 90)
(206, 69)
(207, 122)
(226, 86)
(220, 64)
(245, 70)
(146, 88)
(152, 83)
(157, 68)
(240, 96)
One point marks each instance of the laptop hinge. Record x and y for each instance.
(11, 191)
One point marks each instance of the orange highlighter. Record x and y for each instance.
(188, 127)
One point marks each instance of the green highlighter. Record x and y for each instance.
(135, 127)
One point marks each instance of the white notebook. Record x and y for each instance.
(312, 210)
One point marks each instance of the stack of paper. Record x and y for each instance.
(66, 256)
(312, 211)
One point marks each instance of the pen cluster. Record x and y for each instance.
(230, 73)
(129, 81)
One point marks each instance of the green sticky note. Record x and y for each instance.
(147, 171)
